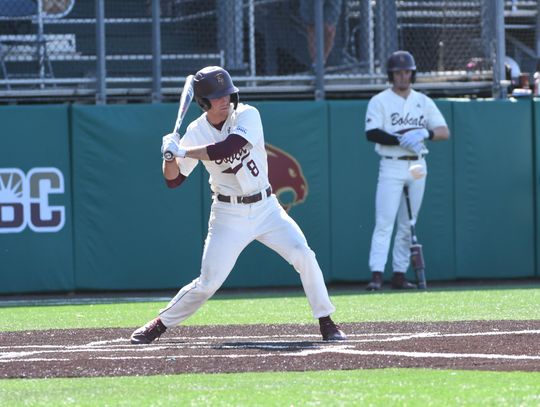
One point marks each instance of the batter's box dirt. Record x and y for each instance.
(482, 345)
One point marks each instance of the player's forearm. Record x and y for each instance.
(199, 153)
(171, 169)
(171, 173)
(381, 137)
(440, 133)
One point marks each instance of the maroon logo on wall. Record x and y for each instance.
(286, 177)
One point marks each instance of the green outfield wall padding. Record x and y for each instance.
(353, 177)
(83, 203)
(36, 252)
(494, 189)
(536, 182)
(436, 220)
(354, 168)
(132, 232)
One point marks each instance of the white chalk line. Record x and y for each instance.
(80, 301)
(343, 349)
(119, 345)
(202, 340)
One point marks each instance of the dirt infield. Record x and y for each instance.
(479, 345)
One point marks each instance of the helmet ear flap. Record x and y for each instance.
(235, 98)
(204, 103)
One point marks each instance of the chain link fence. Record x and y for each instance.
(272, 48)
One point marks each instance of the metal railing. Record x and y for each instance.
(102, 51)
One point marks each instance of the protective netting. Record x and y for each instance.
(53, 43)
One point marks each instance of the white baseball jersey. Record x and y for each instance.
(390, 112)
(243, 173)
(232, 225)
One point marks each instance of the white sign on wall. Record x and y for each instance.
(24, 200)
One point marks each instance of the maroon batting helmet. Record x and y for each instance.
(213, 82)
(400, 61)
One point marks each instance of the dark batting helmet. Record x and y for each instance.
(400, 61)
(213, 82)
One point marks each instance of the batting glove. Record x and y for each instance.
(417, 148)
(410, 139)
(170, 143)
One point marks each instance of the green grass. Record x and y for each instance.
(492, 304)
(386, 387)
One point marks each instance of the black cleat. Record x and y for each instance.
(376, 281)
(399, 282)
(148, 333)
(330, 331)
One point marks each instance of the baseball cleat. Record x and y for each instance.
(330, 331)
(399, 282)
(376, 281)
(148, 333)
(373, 286)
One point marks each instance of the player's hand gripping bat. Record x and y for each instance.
(417, 256)
(185, 100)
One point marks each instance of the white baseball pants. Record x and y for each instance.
(231, 228)
(389, 202)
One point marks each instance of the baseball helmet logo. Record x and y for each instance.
(286, 177)
(219, 79)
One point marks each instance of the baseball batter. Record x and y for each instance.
(228, 139)
(399, 120)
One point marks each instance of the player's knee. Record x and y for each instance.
(384, 225)
(207, 288)
(301, 255)
(383, 231)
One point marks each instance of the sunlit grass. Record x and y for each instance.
(492, 304)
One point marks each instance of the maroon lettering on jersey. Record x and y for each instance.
(239, 155)
(235, 169)
(398, 120)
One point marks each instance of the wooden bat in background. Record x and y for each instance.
(185, 100)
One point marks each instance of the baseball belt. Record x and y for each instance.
(405, 157)
(244, 199)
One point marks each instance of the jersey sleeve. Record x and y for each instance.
(187, 164)
(434, 115)
(249, 126)
(374, 115)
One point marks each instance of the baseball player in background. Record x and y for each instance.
(399, 120)
(228, 139)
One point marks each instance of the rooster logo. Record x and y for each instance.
(286, 177)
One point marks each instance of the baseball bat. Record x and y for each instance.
(185, 100)
(417, 255)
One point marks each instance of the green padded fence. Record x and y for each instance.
(36, 229)
(494, 189)
(83, 205)
(132, 232)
